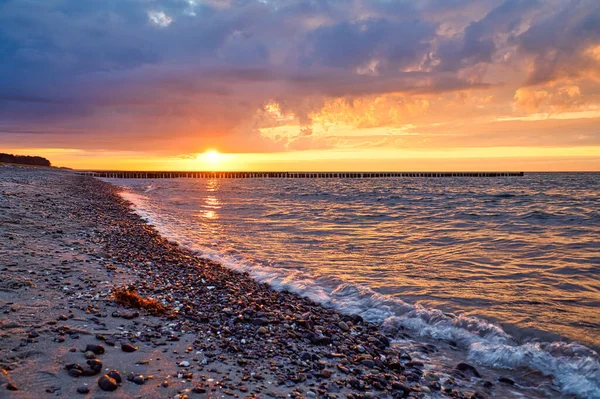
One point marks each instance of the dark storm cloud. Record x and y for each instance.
(200, 70)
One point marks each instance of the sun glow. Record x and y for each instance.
(213, 159)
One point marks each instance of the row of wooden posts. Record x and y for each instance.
(289, 175)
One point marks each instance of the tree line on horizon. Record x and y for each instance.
(24, 159)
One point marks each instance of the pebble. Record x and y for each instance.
(184, 363)
(468, 369)
(96, 349)
(75, 372)
(343, 326)
(11, 387)
(138, 379)
(83, 389)
(95, 364)
(89, 355)
(128, 348)
(107, 383)
(115, 375)
(506, 380)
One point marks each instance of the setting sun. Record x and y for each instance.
(213, 160)
(212, 156)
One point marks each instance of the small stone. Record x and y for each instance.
(11, 387)
(129, 315)
(88, 371)
(199, 389)
(96, 349)
(83, 389)
(115, 375)
(128, 348)
(89, 355)
(262, 330)
(398, 386)
(184, 363)
(468, 369)
(368, 363)
(343, 326)
(165, 384)
(138, 379)
(260, 321)
(107, 383)
(75, 372)
(95, 364)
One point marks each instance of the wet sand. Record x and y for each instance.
(67, 241)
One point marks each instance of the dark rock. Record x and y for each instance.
(398, 386)
(260, 322)
(73, 366)
(305, 356)
(75, 372)
(468, 369)
(199, 389)
(83, 389)
(395, 366)
(128, 348)
(96, 349)
(506, 380)
(317, 339)
(89, 372)
(95, 364)
(138, 379)
(368, 363)
(129, 315)
(107, 383)
(385, 341)
(11, 387)
(115, 375)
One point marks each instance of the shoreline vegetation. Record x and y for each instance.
(94, 301)
(24, 160)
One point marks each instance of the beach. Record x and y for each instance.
(69, 241)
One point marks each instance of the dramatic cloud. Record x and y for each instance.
(176, 76)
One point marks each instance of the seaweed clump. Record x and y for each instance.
(129, 297)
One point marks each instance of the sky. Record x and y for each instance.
(365, 85)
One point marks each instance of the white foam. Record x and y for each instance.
(574, 368)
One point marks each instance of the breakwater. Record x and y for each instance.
(288, 175)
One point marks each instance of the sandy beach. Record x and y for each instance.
(69, 241)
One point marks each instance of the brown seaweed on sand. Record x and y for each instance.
(129, 297)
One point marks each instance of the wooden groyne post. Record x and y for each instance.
(287, 175)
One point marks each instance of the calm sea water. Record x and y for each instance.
(506, 268)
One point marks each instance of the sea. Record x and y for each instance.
(505, 271)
